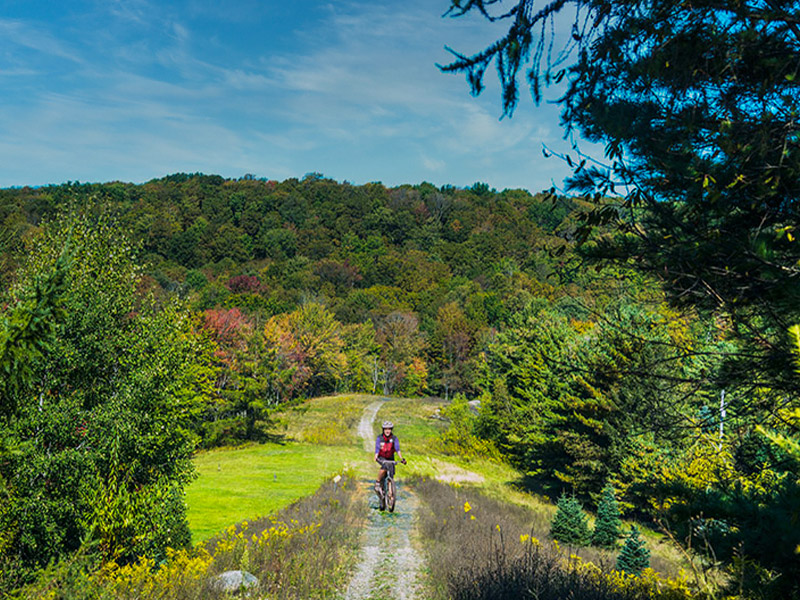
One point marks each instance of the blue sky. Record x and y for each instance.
(130, 90)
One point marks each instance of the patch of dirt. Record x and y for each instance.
(450, 473)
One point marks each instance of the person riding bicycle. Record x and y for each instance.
(386, 446)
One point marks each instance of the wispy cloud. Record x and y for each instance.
(22, 34)
(131, 12)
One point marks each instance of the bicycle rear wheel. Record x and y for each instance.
(390, 495)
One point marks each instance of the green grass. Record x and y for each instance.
(418, 430)
(244, 483)
(413, 423)
(328, 420)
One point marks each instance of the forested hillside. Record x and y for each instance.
(141, 322)
(406, 283)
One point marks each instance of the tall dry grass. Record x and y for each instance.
(483, 549)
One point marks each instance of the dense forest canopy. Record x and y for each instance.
(636, 342)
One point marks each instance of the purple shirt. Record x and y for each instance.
(379, 441)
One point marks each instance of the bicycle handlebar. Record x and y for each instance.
(393, 462)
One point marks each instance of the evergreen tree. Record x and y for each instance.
(570, 525)
(710, 145)
(634, 556)
(607, 526)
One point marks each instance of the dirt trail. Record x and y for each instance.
(389, 564)
(365, 425)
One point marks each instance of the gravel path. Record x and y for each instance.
(365, 425)
(389, 564)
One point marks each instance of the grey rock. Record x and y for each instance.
(235, 581)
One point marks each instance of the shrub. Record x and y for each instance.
(305, 551)
(570, 525)
(460, 438)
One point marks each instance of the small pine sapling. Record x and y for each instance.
(608, 523)
(570, 525)
(634, 556)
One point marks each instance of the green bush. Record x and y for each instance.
(460, 438)
(570, 524)
(100, 430)
(607, 525)
(634, 556)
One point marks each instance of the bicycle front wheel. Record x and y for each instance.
(390, 495)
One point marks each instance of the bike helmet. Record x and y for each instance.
(388, 425)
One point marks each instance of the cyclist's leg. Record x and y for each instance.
(379, 482)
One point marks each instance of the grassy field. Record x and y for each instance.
(329, 420)
(235, 484)
(253, 481)
(418, 426)
(321, 439)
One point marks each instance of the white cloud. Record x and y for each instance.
(433, 164)
(22, 34)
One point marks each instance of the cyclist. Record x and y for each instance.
(386, 446)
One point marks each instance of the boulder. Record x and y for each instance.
(235, 581)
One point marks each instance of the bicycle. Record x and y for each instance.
(388, 492)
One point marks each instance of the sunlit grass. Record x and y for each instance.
(414, 422)
(329, 420)
(244, 483)
(235, 484)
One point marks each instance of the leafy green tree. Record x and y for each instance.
(362, 353)
(27, 331)
(278, 243)
(451, 346)
(634, 557)
(570, 524)
(608, 523)
(104, 412)
(576, 393)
